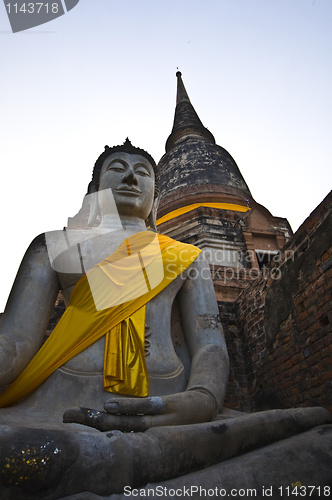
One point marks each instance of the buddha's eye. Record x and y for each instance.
(142, 172)
(116, 167)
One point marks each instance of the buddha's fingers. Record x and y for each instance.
(134, 406)
(105, 422)
(85, 416)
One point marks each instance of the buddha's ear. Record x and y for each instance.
(93, 202)
(152, 218)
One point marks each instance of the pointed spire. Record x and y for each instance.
(187, 124)
(181, 94)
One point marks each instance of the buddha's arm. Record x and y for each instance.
(203, 331)
(28, 311)
(208, 377)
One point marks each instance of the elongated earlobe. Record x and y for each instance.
(93, 202)
(152, 218)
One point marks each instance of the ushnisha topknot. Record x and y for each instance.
(126, 147)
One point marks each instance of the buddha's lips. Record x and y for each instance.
(136, 192)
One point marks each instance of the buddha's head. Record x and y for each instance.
(126, 175)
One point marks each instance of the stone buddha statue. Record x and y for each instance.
(186, 382)
(128, 387)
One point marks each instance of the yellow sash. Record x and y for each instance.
(188, 208)
(105, 296)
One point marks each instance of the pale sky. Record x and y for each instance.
(258, 73)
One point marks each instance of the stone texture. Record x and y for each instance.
(196, 162)
(260, 473)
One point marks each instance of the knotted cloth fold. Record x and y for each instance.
(107, 295)
(125, 370)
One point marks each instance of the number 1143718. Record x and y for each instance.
(33, 8)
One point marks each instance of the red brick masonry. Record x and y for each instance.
(279, 332)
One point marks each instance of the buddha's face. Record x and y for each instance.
(131, 179)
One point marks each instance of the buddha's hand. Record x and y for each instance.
(138, 415)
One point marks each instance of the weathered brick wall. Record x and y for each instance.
(237, 391)
(285, 320)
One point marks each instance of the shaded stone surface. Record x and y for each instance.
(102, 463)
(256, 474)
(281, 464)
(196, 163)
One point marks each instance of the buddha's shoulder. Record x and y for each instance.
(57, 242)
(69, 236)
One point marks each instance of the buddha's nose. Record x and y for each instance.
(130, 178)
